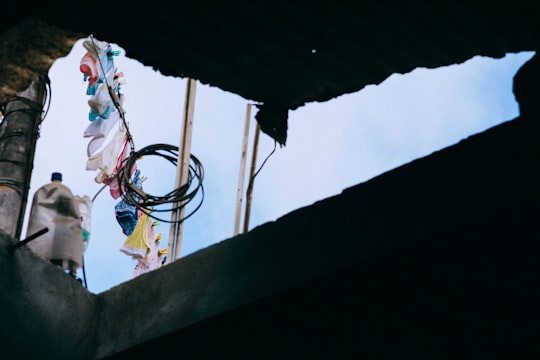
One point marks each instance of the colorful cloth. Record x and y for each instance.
(127, 213)
(95, 66)
(120, 162)
(100, 128)
(139, 241)
(105, 158)
(153, 259)
(85, 209)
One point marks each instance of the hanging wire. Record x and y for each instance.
(181, 196)
(99, 191)
(32, 108)
(252, 179)
(39, 111)
(148, 203)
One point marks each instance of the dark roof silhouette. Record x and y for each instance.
(279, 54)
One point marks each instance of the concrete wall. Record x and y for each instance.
(436, 255)
(436, 248)
(45, 313)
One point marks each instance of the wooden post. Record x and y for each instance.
(251, 177)
(243, 157)
(19, 131)
(182, 171)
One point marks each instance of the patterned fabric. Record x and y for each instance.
(153, 259)
(127, 213)
(106, 157)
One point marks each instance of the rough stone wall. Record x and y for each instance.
(28, 51)
(45, 314)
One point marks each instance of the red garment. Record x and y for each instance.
(113, 181)
(90, 67)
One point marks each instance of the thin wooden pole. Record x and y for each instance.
(182, 171)
(251, 177)
(243, 157)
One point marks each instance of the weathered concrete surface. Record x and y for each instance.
(435, 259)
(45, 313)
(9, 210)
(30, 47)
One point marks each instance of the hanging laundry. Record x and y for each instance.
(102, 114)
(95, 47)
(97, 143)
(127, 213)
(112, 181)
(96, 63)
(138, 242)
(89, 66)
(110, 145)
(152, 260)
(101, 103)
(127, 216)
(101, 127)
(105, 158)
(85, 209)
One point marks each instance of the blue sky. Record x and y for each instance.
(330, 146)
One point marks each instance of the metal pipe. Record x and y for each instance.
(28, 239)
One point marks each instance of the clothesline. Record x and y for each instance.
(109, 147)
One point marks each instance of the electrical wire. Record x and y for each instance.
(252, 179)
(149, 203)
(32, 108)
(129, 192)
(179, 197)
(99, 191)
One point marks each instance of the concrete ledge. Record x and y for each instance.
(427, 259)
(45, 313)
(453, 205)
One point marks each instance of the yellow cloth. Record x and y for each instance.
(137, 243)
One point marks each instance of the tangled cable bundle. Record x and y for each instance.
(32, 107)
(179, 197)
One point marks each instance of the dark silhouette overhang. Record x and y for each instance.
(279, 54)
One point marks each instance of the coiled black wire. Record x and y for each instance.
(178, 198)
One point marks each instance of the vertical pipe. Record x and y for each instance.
(251, 177)
(19, 131)
(182, 171)
(240, 188)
